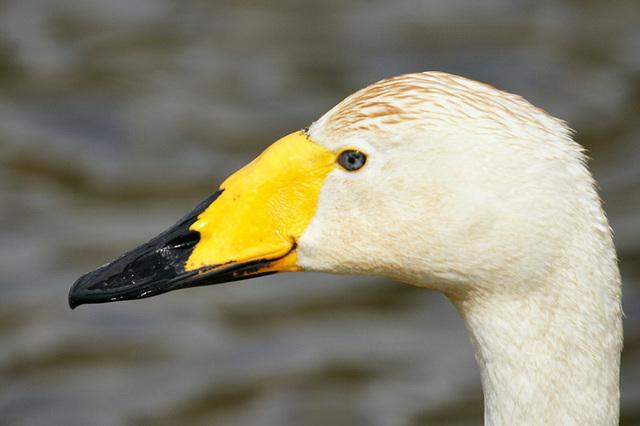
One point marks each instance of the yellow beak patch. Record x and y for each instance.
(264, 208)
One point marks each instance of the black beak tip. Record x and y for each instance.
(90, 288)
(76, 297)
(73, 302)
(150, 269)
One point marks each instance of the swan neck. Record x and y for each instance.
(552, 356)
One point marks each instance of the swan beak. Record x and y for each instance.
(248, 228)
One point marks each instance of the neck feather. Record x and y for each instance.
(553, 356)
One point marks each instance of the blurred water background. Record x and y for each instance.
(117, 116)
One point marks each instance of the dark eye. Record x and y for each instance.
(351, 159)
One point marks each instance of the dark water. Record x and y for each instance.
(117, 116)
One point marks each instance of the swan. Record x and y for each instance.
(440, 182)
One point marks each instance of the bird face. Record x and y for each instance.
(346, 205)
(425, 178)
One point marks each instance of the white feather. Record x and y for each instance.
(476, 193)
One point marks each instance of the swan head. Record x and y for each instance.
(428, 178)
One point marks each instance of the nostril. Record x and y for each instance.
(184, 241)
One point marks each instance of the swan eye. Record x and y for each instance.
(352, 160)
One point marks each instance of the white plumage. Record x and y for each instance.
(476, 193)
